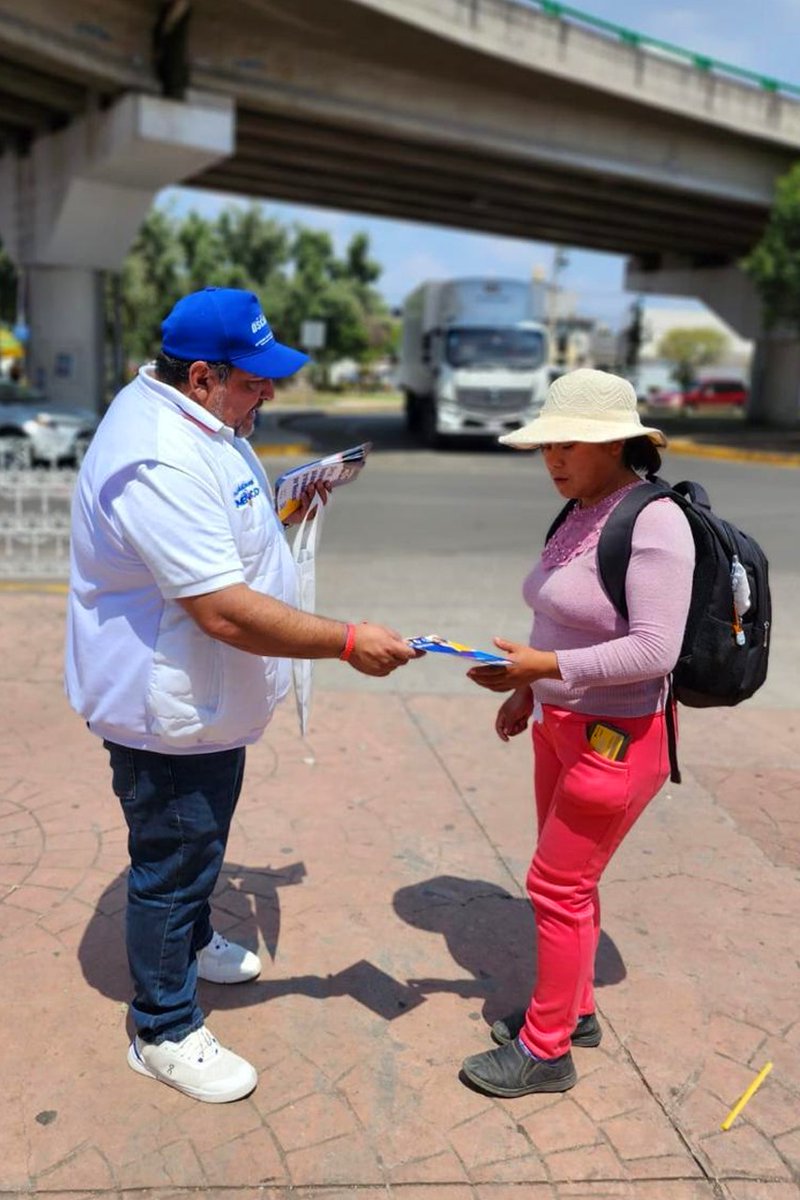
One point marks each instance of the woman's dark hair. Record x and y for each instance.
(640, 454)
(175, 371)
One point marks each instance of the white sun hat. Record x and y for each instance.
(585, 406)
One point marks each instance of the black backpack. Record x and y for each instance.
(723, 660)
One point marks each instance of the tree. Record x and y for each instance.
(294, 270)
(152, 281)
(689, 349)
(774, 263)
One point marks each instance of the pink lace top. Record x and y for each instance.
(611, 667)
(580, 531)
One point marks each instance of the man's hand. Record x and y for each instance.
(514, 714)
(379, 651)
(525, 666)
(307, 498)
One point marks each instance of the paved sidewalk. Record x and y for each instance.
(377, 868)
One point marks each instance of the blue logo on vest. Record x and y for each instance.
(245, 493)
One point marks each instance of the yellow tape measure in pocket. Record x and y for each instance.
(608, 741)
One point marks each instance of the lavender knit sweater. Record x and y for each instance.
(611, 667)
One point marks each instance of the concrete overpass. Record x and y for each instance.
(490, 115)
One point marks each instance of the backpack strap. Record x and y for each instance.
(695, 493)
(616, 539)
(672, 739)
(613, 556)
(561, 517)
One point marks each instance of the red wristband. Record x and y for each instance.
(349, 643)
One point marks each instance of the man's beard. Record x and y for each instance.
(243, 428)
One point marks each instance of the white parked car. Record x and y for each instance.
(33, 431)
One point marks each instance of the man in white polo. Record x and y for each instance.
(180, 631)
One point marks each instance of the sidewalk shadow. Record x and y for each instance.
(251, 895)
(248, 894)
(491, 934)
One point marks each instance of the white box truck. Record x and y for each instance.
(474, 358)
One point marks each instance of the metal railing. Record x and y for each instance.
(701, 62)
(34, 518)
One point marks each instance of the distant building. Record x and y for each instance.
(655, 372)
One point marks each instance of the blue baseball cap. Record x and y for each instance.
(227, 325)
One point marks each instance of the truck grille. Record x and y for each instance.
(494, 400)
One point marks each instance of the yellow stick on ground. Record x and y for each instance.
(740, 1103)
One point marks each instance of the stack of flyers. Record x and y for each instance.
(440, 645)
(334, 470)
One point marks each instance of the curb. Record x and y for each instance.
(772, 458)
(282, 449)
(34, 585)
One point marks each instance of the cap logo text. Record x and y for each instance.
(259, 323)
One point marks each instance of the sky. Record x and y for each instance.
(761, 37)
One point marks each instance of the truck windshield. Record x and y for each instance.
(517, 349)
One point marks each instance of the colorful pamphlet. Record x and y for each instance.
(439, 645)
(335, 469)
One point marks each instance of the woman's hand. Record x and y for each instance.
(514, 713)
(525, 665)
(307, 497)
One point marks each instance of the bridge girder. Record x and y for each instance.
(358, 106)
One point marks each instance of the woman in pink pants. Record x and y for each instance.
(595, 686)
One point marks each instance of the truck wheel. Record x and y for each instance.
(427, 429)
(412, 413)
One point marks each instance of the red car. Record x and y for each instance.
(714, 392)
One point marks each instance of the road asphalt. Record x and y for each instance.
(376, 867)
(705, 435)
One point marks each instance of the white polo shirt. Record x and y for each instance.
(169, 504)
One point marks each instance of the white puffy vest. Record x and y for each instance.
(138, 668)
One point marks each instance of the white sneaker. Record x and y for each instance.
(197, 1066)
(222, 961)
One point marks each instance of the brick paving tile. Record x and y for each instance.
(298, 1080)
(423, 1192)
(80, 1195)
(84, 1167)
(735, 1038)
(312, 1120)
(788, 1145)
(343, 1160)
(666, 1166)
(500, 1191)
(489, 1137)
(584, 1163)
(252, 1158)
(560, 1126)
(744, 1151)
(743, 1189)
(527, 1169)
(657, 1189)
(642, 1135)
(412, 1140)
(777, 1112)
(444, 1167)
(213, 1126)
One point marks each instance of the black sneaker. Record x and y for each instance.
(586, 1033)
(510, 1072)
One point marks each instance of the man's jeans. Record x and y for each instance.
(178, 809)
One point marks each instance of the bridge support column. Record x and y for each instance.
(775, 382)
(66, 358)
(71, 208)
(775, 373)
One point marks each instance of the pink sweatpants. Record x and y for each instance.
(585, 805)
